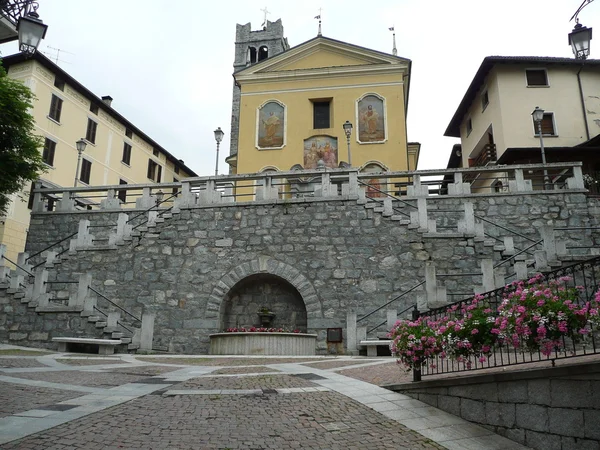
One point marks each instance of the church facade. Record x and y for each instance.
(292, 104)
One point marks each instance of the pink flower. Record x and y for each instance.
(474, 331)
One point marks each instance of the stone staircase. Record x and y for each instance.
(47, 289)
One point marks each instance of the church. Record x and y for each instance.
(321, 103)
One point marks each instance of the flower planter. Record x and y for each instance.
(258, 343)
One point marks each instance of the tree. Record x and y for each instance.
(20, 158)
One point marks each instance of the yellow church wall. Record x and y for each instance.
(344, 93)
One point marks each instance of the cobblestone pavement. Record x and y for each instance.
(216, 403)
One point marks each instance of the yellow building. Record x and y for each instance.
(293, 105)
(117, 151)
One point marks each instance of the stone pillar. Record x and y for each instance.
(547, 234)
(111, 201)
(186, 198)
(66, 203)
(541, 260)
(422, 210)
(23, 267)
(351, 346)
(519, 184)
(209, 195)
(351, 189)
(39, 283)
(147, 332)
(388, 208)
(112, 320)
(576, 182)
(84, 239)
(38, 200)
(509, 246)
(467, 226)
(392, 318)
(487, 270)
(123, 231)
(88, 305)
(85, 281)
(50, 258)
(146, 200)
(521, 270)
(152, 216)
(4, 270)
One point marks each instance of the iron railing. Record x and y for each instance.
(13, 10)
(584, 277)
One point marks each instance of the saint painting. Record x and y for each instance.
(271, 119)
(371, 119)
(320, 148)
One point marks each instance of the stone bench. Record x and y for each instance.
(105, 346)
(373, 344)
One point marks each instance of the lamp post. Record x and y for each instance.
(538, 116)
(348, 130)
(218, 137)
(579, 40)
(80, 144)
(31, 31)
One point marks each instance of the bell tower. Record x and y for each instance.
(251, 47)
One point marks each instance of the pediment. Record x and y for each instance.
(323, 53)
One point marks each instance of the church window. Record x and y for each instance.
(321, 114)
(251, 56)
(263, 53)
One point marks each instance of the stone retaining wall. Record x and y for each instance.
(546, 409)
(337, 254)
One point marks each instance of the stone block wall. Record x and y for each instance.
(336, 254)
(546, 409)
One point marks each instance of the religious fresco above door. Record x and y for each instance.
(371, 119)
(318, 148)
(271, 125)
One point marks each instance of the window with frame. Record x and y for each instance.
(48, 152)
(154, 170)
(321, 114)
(122, 194)
(59, 83)
(128, 133)
(90, 133)
(55, 108)
(155, 152)
(469, 126)
(176, 169)
(94, 108)
(536, 77)
(547, 125)
(86, 171)
(485, 100)
(126, 153)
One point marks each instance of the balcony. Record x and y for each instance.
(10, 13)
(485, 157)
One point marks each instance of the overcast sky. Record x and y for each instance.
(168, 64)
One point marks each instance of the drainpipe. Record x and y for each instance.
(587, 130)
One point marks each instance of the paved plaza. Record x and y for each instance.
(75, 401)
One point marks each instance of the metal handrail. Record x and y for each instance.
(391, 301)
(16, 265)
(398, 314)
(113, 303)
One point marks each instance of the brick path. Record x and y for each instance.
(215, 403)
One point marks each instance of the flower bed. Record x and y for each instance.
(260, 330)
(262, 343)
(533, 316)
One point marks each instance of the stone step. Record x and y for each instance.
(100, 324)
(378, 209)
(93, 319)
(489, 242)
(126, 340)
(167, 216)
(499, 248)
(371, 205)
(18, 295)
(116, 335)
(361, 201)
(132, 346)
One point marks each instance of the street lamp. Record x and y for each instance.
(31, 31)
(579, 40)
(80, 144)
(218, 137)
(538, 116)
(348, 130)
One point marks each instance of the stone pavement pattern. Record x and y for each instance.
(151, 403)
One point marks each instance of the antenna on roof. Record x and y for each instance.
(394, 50)
(319, 17)
(56, 54)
